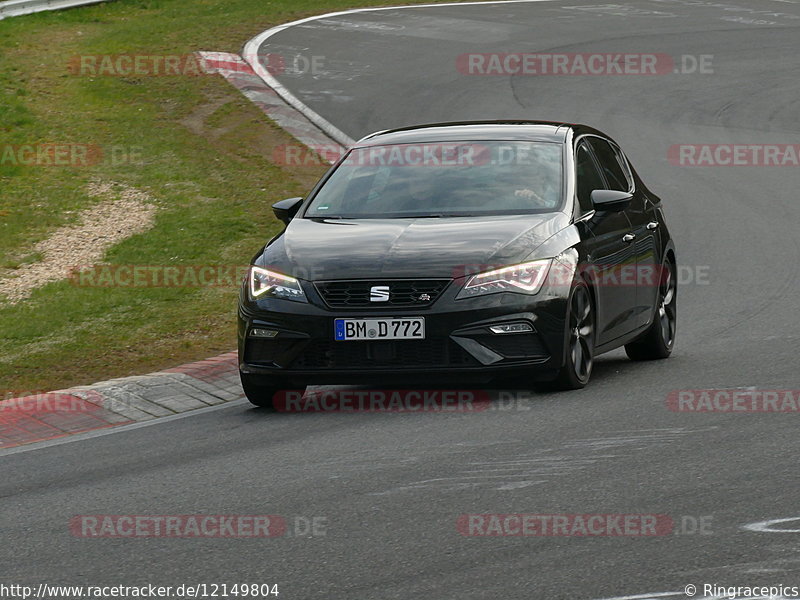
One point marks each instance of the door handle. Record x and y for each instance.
(652, 225)
(628, 238)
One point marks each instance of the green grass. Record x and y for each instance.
(204, 156)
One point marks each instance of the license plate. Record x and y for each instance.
(412, 328)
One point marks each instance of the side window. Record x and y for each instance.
(609, 162)
(587, 177)
(626, 167)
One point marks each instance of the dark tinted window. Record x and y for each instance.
(609, 162)
(588, 178)
(626, 167)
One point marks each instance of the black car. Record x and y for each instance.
(477, 252)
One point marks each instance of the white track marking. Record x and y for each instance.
(251, 56)
(768, 526)
(648, 596)
(699, 596)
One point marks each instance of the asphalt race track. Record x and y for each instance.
(392, 486)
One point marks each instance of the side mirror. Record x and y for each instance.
(611, 200)
(285, 210)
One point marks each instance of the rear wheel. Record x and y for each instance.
(580, 341)
(658, 340)
(259, 390)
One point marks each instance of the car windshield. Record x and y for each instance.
(439, 179)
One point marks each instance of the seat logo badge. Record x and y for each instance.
(379, 293)
(424, 297)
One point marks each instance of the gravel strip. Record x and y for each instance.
(125, 211)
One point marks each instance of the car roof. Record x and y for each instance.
(517, 130)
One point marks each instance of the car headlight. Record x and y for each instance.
(264, 283)
(526, 278)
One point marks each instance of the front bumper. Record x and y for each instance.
(458, 346)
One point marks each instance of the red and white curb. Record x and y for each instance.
(122, 401)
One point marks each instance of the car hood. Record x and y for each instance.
(319, 249)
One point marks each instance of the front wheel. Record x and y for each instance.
(580, 341)
(259, 390)
(658, 340)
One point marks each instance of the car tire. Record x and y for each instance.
(577, 368)
(259, 390)
(659, 339)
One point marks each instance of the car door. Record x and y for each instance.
(644, 218)
(644, 225)
(608, 248)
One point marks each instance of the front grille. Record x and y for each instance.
(401, 354)
(411, 293)
(514, 345)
